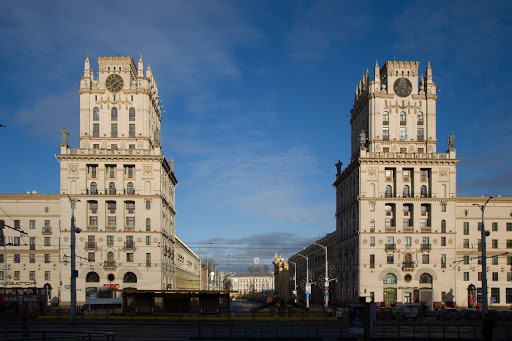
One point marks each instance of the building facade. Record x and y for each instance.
(187, 267)
(401, 230)
(124, 187)
(252, 283)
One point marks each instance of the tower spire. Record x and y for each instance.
(87, 67)
(140, 69)
(377, 71)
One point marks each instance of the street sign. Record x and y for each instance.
(326, 293)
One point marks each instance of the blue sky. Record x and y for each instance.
(257, 96)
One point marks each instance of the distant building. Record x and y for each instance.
(402, 234)
(126, 192)
(247, 283)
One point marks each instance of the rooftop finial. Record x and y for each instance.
(87, 67)
(140, 71)
(376, 71)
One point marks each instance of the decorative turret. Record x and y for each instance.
(376, 71)
(148, 72)
(140, 70)
(87, 67)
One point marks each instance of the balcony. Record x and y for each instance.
(426, 229)
(92, 227)
(110, 227)
(47, 230)
(390, 247)
(425, 247)
(129, 246)
(407, 266)
(92, 191)
(110, 264)
(409, 229)
(390, 229)
(91, 246)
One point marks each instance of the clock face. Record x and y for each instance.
(114, 83)
(402, 87)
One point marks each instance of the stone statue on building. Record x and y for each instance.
(171, 165)
(65, 134)
(451, 140)
(338, 166)
(362, 139)
(157, 137)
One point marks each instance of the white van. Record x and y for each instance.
(410, 310)
(103, 306)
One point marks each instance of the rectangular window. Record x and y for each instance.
(443, 207)
(131, 146)
(495, 295)
(495, 226)
(94, 206)
(389, 174)
(32, 276)
(110, 240)
(148, 205)
(466, 260)
(389, 222)
(113, 129)
(130, 221)
(93, 220)
(112, 221)
(509, 227)
(408, 241)
(466, 228)
(111, 205)
(129, 257)
(390, 240)
(443, 261)
(495, 243)
(424, 175)
(47, 275)
(148, 240)
(372, 241)
(509, 295)
(132, 130)
(479, 226)
(443, 297)
(47, 241)
(403, 134)
(129, 170)
(443, 241)
(385, 134)
(426, 259)
(509, 276)
(16, 275)
(391, 259)
(96, 130)
(32, 258)
(407, 174)
(465, 244)
(148, 259)
(32, 224)
(130, 206)
(495, 276)
(96, 146)
(91, 256)
(479, 276)
(372, 261)
(47, 259)
(509, 243)
(16, 241)
(421, 134)
(495, 260)
(466, 276)
(405, 223)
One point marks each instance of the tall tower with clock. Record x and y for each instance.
(396, 200)
(124, 183)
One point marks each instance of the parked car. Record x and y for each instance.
(387, 314)
(410, 310)
(470, 314)
(448, 314)
(506, 315)
(493, 314)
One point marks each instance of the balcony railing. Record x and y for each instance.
(92, 227)
(390, 228)
(110, 227)
(47, 230)
(109, 264)
(409, 229)
(426, 229)
(91, 245)
(425, 247)
(390, 247)
(408, 265)
(129, 246)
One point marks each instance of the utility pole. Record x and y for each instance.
(73, 263)
(307, 280)
(294, 279)
(326, 284)
(2, 242)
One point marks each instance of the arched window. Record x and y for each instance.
(148, 224)
(130, 277)
(94, 188)
(424, 192)
(389, 191)
(113, 114)
(131, 114)
(420, 118)
(110, 257)
(385, 117)
(130, 188)
(407, 192)
(96, 114)
(92, 277)
(111, 188)
(372, 225)
(443, 226)
(408, 260)
(390, 279)
(403, 117)
(425, 278)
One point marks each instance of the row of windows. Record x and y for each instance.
(420, 134)
(406, 191)
(17, 241)
(113, 114)
(112, 205)
(113, 130)
(390, 259)
(494, 244)
(31, 258)
(479, 227)
(31, 276)
(91, 256)
(91, 239)
(110, 171)
(403, 118)
(112, 190)
(31, 223)
(494, 276)
(407, 174)
(407, 241)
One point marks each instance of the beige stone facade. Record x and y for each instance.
(187, 267)
(126, 192)
(254, 282)
(399, 222)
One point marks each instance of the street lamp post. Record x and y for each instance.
(326, 284)
(484, 259)
(201, 267)
(73, 261)
(294, 279)
(307, 279)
